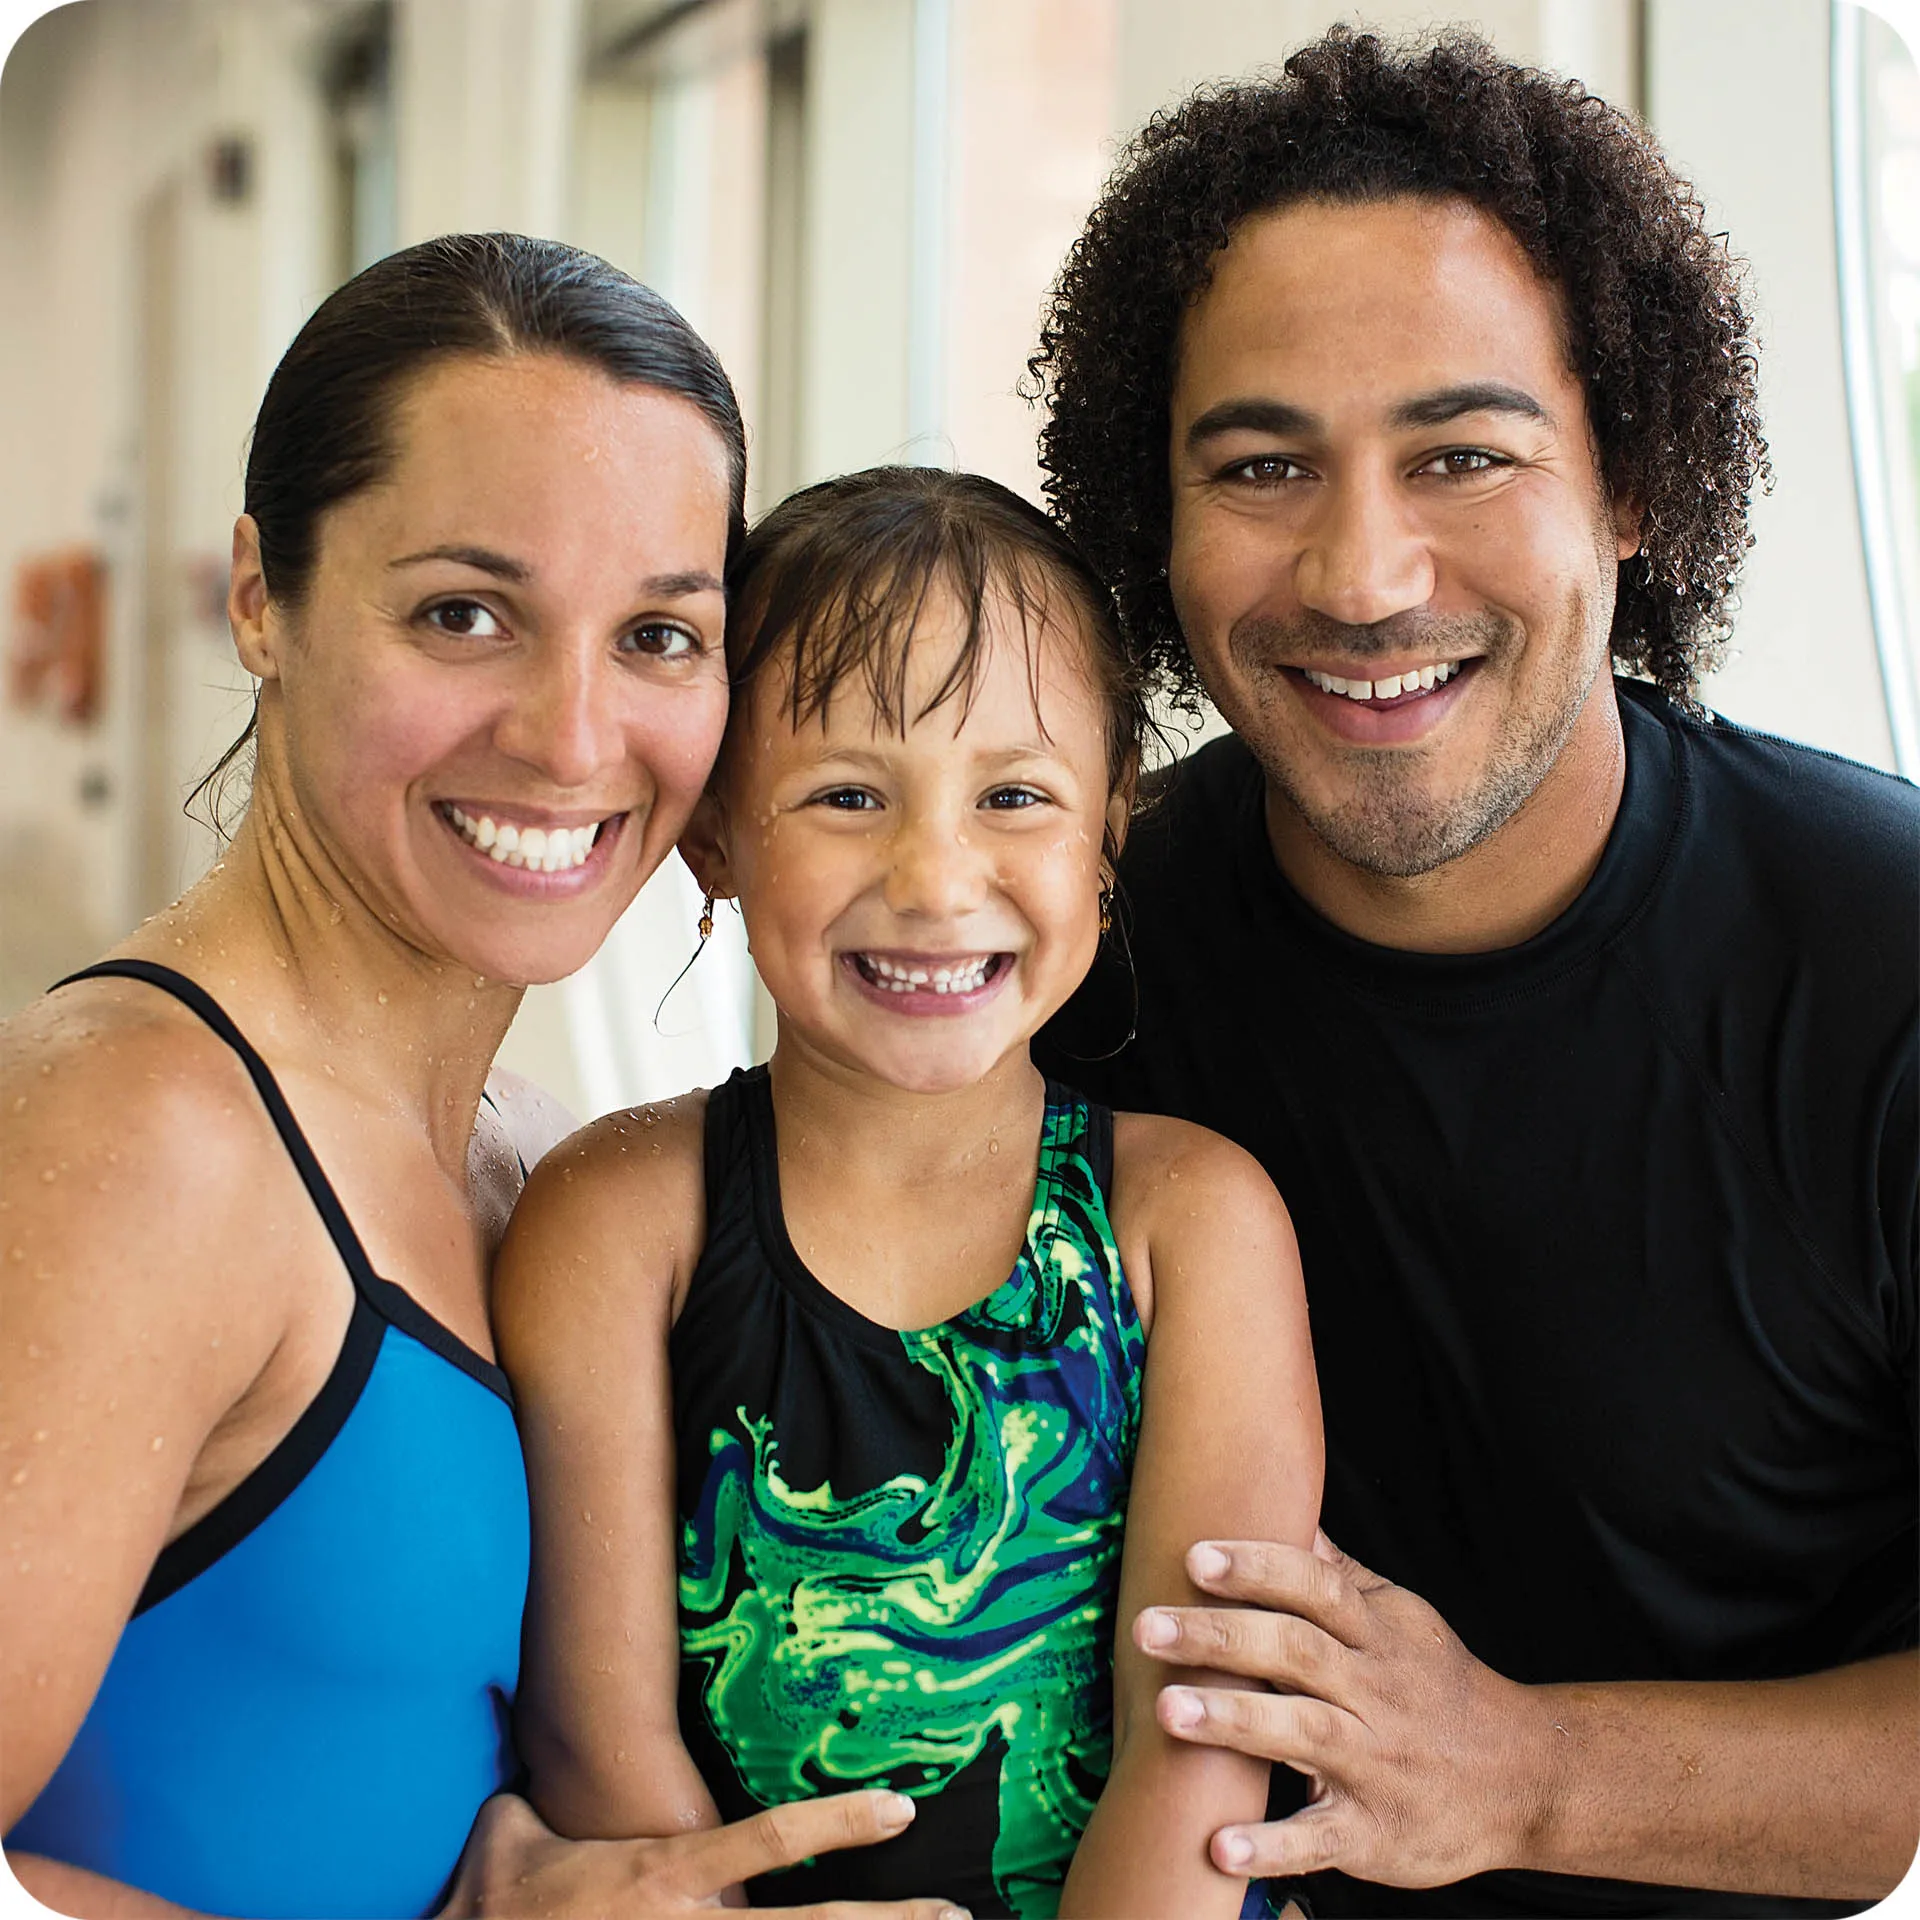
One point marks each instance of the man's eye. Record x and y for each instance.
(846, 800)
(660, 641)
(467, 619)
(1459, 461)
(1266, 470)
(1012, 799)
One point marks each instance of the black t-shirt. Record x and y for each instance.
(1609, 1238)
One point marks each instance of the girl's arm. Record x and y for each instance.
(606, 1230)
(1230, 1440)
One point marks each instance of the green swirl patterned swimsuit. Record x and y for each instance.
(900, 1552)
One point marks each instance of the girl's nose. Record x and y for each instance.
(933, 872)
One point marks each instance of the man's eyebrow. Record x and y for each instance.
(1473, 396)
(1252, 416)
(661, 586)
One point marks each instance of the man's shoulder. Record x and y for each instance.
(1816, 830)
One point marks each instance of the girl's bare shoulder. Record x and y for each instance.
(616, 1208)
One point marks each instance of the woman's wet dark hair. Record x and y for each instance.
(325, 428)
(829, 586)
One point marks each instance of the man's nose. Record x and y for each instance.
(1366, 556)
(934, 871)
(563, 721)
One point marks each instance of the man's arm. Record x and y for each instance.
(1427, 1766)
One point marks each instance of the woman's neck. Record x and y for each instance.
(315, 977)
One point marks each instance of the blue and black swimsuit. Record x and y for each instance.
(311, 1699)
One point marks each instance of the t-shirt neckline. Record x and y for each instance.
(1652, 804)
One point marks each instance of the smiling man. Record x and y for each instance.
(1408, 409)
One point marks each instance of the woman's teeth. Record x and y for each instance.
(543, 849)
(909, 976)
(1421, 680)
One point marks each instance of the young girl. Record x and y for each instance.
(848, 1360)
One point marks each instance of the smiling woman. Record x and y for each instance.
(267, 1509)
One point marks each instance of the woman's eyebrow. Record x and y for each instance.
(663, 586)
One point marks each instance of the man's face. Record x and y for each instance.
(1391, 553)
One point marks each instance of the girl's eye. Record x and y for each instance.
(467, 619)
(847, 800)
(1458, 462)
(660, 641)
(1012, 799)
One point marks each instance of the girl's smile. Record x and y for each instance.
(921, 897)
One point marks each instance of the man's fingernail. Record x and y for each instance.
(896, 1810)
(1235, 1850)
(1183, 1708)
(1207, 1562)
(955, 1913)
(1157, 1628)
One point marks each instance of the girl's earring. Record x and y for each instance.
(1106, 906)
(706, 918)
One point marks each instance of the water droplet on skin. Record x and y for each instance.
(993, 1146)
(39, 1434)
(381, 997)
(49, 1174)
(20, 1103)
(159, 1441)
(333, 919)
(19, 1477)
(46, 1067)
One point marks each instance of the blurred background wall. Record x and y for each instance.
(861, 203)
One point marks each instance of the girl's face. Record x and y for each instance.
(919, 904)
(504, 690)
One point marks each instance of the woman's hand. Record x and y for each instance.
(517, 1868)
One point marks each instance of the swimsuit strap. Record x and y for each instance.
(319, 1188)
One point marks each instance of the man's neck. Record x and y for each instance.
(1515, 883)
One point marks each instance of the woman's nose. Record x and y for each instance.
(563, 720)
(1365, 557)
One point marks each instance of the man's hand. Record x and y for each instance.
(517, 1868)
(1426, 1766)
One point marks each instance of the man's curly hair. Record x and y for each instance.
(1658, 328)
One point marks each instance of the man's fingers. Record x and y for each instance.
(1303, 1732)
(784, 1836)
(1280, 1648)
(1309, 1841)
(1286, 1580)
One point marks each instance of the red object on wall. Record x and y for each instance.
(58, 639)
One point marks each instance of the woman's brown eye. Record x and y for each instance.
(464, 618)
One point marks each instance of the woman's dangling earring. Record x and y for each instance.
(706, 918)
(1106, 906)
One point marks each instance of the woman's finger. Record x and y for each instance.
(784, 1836)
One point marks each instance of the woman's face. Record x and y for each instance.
(500, 698)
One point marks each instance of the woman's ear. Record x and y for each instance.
(704, 847)
(254, 634)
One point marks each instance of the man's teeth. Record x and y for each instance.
(1422, 679)
(543, 849)
(905, 976)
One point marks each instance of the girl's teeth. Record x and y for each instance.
(541, 849)
(906, 977)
